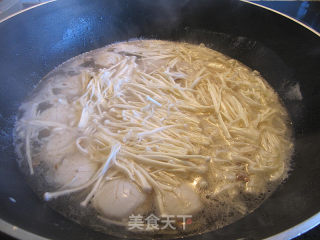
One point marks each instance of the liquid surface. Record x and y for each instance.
(153, 138)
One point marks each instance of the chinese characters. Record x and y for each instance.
(153, 222)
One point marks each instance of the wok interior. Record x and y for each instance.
(283, 52)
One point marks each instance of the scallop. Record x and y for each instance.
(118, 199)
(62, 140)
(73, 87)
(183, 201)
(74, 170)
(106, 58)
(60, 113)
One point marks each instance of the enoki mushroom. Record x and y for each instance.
(160, 113)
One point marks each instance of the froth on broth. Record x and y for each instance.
(154, 127)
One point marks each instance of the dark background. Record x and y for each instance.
(308, 13)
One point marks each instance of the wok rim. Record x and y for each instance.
(295, 231)
(282, 14)
(292, 232)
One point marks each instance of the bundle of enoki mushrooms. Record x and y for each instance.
(162, 111)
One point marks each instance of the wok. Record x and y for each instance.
(286, 53)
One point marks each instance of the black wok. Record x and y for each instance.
(284, 52)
